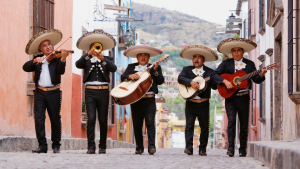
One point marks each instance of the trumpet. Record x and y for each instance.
(98, 48)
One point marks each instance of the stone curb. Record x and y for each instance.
(276, 154)
(14, 144)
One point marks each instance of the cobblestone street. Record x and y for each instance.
(125, 158)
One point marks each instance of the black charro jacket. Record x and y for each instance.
(227, 66)
(56, 69)
(107, 65)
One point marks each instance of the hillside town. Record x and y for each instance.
(148, 86)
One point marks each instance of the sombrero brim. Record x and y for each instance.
(191, 50)
(226, 45)
(134, 50)
(53, 35)
(85, 41)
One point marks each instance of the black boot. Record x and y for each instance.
(91, 151)
(202, 152)
(188, 151)
(230, 151)
(40, 150)
(102, 151)
(56, 150)
(151, 151)
(139, 151)
(242, 152)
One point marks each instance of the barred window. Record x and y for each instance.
(261, 17)
(43, 15)
(249, 23)
(293, 47)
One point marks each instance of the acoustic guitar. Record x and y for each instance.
(188, 92)
(131, 91)
(239, 80)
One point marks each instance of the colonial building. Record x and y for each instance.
(275, 26)
(22, 20)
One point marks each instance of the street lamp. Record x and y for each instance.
(128, 38)
(231, 16)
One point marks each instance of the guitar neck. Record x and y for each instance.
(158, 61)
(148, 69)
(249, 75)
(207, 78)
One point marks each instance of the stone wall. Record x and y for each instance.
(13, 144)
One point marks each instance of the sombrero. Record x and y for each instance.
(53, 35)
(226, 45)
(85, 41)
(191, 50)
(134, 50)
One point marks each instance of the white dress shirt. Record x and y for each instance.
(198, 72)
(239, 65)
(45, 78)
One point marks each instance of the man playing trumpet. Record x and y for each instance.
(96, 78)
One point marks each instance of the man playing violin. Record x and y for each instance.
(97, 69)
(238, 104)
(47, 78)
(197, 107)
(144, 108)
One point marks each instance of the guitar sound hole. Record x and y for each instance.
(237, 81)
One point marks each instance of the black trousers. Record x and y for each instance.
(145, 108)
(50, 100)
(96, 101)
(237, 105)
(201, 111)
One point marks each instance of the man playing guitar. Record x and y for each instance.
(238, 104)
(199, 105)
(144, 108)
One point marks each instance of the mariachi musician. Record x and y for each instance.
(96, 78)
(144, 108)
(47, 78)
(238, 104)
(197, 107)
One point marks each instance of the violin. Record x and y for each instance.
(56, 54)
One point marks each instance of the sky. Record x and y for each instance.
(216, 11)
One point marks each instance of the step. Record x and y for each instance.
(276, 154)
(15, 143)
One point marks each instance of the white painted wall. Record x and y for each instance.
(266, 42)
(85, 19)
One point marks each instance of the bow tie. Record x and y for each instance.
(140, 68)
(198, 72)
(240, 65)
(94, 59)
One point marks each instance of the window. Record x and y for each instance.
(245, 28)
(43, 15)
(293, 51)
(271, 12)
(291, 42)
(249, 23)
(261, 17)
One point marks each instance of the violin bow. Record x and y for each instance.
(57, 48)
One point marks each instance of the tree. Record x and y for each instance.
(236, 36)
(163, 18)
